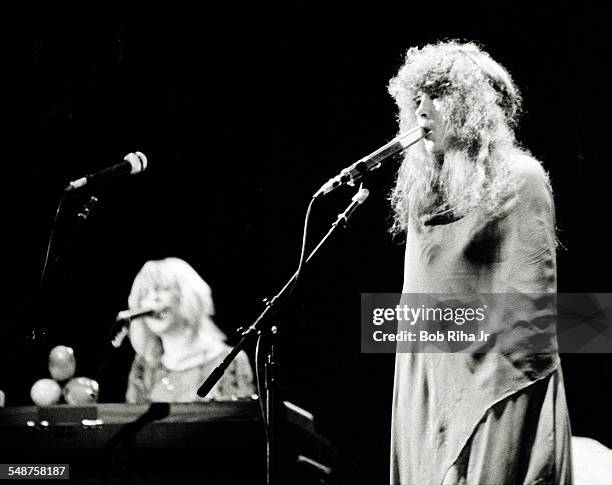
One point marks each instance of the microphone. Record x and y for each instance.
(127, 315)
(133, 163)
(372, 161)
(122, 320)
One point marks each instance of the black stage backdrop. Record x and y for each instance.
(242, 115)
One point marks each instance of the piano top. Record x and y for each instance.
(243, 410)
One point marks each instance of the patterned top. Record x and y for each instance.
(147, 383)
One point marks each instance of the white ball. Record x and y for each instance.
(45, 392)
(62, 363)
(81, 391)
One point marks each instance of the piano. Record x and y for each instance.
(210, 442)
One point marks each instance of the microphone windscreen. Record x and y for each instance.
(138, 162)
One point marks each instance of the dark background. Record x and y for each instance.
(243, 113)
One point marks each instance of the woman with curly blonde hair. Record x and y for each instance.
(179, 345)
(478, 215)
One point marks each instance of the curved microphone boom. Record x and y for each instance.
(372, 161)
(133, 163)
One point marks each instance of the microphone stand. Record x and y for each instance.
(271, 367)
(115, 337)
(271, 408)
(40, 335)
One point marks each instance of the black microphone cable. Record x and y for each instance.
(49, 243)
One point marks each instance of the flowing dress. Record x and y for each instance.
(498, 417)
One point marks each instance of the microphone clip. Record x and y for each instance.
(88, 207)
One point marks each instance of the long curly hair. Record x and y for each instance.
(480, 106)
